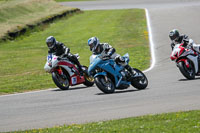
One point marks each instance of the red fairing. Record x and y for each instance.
(182, 60)
(67, 64)
(76, 80)
(173, 57)
(182, 49)
(177, 52)
(185, 61)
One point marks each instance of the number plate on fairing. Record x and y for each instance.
(74, 80)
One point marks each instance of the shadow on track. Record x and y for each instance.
(72, 88)
(120, 92)
(188, 79)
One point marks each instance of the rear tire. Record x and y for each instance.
(189, 73)
(106, 87)
(140, 83)
(60, 82)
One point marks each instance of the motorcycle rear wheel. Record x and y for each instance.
(60, 82)
(89, 80)
(105, 86)
(139, 84)
(189, 73)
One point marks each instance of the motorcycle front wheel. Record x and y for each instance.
(105, 85)
(60, 81)
(189, 73)
(141, 81)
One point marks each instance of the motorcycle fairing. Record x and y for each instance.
(76, 80)
(185, 61)
(178, 50)
(109, 67)
(101, 73)
(194, 59)
(69, 67)
(114, 69)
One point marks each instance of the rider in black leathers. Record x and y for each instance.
(59, 49)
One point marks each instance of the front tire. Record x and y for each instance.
(141, 82)
(62, 83)
(105, 86)
(189, 73)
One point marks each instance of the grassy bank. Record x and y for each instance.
(180, 122)
(17, 14)
(23, 59)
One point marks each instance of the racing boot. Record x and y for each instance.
(81, 71)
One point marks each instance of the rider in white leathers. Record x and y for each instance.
(97, 48)
(176, 38)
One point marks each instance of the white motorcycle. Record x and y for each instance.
(187, 60)
(65, 73)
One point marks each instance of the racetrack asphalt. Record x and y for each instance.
(168, 90)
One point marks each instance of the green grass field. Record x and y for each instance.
(179, 122)
(23, 59)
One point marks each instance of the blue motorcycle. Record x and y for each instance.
(109, 75)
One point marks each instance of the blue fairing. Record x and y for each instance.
(101, 73)
(108, 67)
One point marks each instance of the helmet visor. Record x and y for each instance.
(91, 46)
(175, 41)
(172, 37)
(50, 44)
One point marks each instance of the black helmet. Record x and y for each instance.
(174, 35)
(51, 41)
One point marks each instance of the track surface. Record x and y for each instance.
(168, 91)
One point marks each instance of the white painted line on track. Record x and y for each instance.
(153, 59)
(30, 92)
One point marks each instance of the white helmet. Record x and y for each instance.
(93, 42)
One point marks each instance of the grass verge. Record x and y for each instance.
(23, 59)
(179, 122)
(15, 15)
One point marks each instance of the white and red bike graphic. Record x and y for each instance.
(187, 60)
(65, 73)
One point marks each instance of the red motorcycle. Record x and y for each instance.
(187, 60)
(65, 73)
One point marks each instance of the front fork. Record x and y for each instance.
(60, 72)
(185, 61)
(193, 59)
(106, 78)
